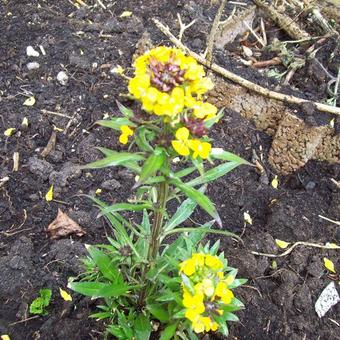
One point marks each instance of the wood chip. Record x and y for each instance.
(64, 226)
(16, 158)
(50, 145)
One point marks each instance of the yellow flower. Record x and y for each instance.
(125, 133)
(224, 293)
(199, 259)
(188, 267)
(213, 262)
(201, 86)
(208, 287)
(194, 305)
(181, 143)
(139, 85)
(201, 149)
(203, 323)
(204, 110)
(198, 325)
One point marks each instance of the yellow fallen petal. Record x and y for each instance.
(49, 194)
(5, 337)
(24, 122)
(98, 191)
(118, 70)
(65, 295)
(9, 132)
(329, 264)
(55, 128)
(247, 218)
(282, 244)
(125, 14)
(275, 182)
(331, 245)
(29, 101)
(331, 123)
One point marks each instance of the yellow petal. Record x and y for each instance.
(180, 148)
(282, 244)
(118, 70)
(24, 122)
(5, 337)
(125, 14)
(98, 191)
(126, 130)
(49, 194)
(182, 133)
(275, 182)
(329, 264)
(331, 245)
(29, 101)
(123, 138)
(247, 218)
(9, 132)
(65, 295)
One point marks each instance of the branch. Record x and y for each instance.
(241, 81)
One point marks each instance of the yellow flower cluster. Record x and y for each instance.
(205, 272)
(167, 81)
(182, 145)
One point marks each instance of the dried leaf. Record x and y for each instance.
(125, 14)
(50, 144)
(64, 226)
(247, 218)
(49, 194)
(282, 244)
(29, 101)
(329, 264)
(65, 295)
(275, 182)
(9, 132)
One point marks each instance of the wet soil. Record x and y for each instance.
(86, 43)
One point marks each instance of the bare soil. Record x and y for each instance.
(86, 43)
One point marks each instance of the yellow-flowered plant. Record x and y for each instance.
(137, 274)
(206, 292)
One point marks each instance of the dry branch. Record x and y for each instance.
(241, 81)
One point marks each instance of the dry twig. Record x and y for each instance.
(241, 81)
(183, 27)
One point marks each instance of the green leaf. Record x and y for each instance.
(124, 110)
(218, 153)
(214, 173)
(38, 305)
(202, 200)
(184, 211)
(142, 327)
(158, 312)
(210, 122)
(105, 264)
(46, 295)
(125, 207)
(151, 165)
(231, 317)
(101, 315)
(185, 172)
(237, 282)
(141, 139)
(115, 123)
(99, 289)
(116, 158)
(146, 223)
(169, 332)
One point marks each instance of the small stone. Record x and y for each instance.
(62, 77)
(40, 167)
(310, 185)
(33, 66)
(31, 52)
(110, 185)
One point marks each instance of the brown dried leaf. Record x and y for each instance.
(64, 226)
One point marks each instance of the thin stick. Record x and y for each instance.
(24, 320)
(101, 4)
(290, 249)
(241, 81)
(214, 27)
(183, 27)
(56, 114)
(329, 220)
(254, 34)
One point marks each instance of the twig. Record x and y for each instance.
(55, 113)
(183, 27)
(212, 35)
(291, 248)
(101, 4)
(266, 63)
(329, 220)
(50, 145)
(24, 320)
(254, 34)
(241, 81)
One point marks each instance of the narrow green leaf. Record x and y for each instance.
(184, 211)
(169, 332)
(86, 288)
(202, 200)
(125, 207)
(115, 123)
(142, 327)
(146, 223)
(214, 173)
(124, 110)
(117, 158)
(151, 165)
(210, 122)
(218, 153)
(105, 264)
(158, 312)
(141, 139)
(231, 317)
(185, 172)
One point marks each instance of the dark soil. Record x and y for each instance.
(279, 303)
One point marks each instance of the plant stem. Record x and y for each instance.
(162, 197)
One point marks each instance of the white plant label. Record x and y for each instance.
(327, 299)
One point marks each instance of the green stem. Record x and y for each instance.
(155, 239)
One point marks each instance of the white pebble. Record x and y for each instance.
(31, 52)
(43, 52)
(33, 65)
(62, 77)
